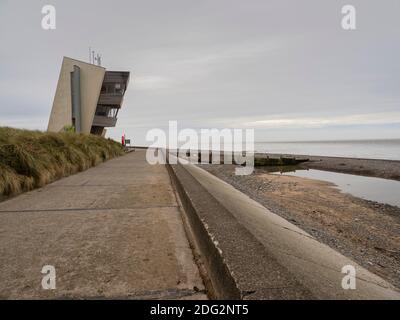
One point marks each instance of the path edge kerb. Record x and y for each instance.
(223, 284)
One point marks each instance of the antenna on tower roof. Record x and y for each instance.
(98, 58)
(93, 59)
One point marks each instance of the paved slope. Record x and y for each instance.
(113, 231)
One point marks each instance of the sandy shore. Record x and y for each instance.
(365, 231)
(388, 169)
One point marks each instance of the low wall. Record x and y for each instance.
(251, 253)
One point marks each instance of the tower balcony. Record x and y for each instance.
(104, 121)
(114, 99)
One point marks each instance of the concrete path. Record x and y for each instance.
(113, 231)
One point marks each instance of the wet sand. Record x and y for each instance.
(365, 231)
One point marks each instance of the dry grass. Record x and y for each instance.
(31, 159)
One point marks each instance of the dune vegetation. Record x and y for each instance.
(31, 159)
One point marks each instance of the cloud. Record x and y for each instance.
(227, 52)
(151, 82)
(319, 122)
(265, 64)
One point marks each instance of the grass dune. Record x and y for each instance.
(31, 159)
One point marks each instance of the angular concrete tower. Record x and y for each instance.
(88, 97)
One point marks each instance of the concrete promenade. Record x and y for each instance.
(113, 231)
(259, 255)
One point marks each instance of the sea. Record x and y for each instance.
(367, 149)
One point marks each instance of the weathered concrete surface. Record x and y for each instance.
(113, 231)
(237, 264)
(266, 256)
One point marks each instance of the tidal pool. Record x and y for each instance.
(368, 188)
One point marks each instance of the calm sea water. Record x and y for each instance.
(370, 149)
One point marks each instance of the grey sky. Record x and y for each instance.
(286, 68)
